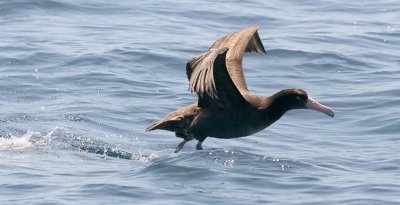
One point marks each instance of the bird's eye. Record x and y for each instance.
(298, 98)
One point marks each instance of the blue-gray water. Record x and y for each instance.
(81, 80)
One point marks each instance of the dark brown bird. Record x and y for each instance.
(225, 107)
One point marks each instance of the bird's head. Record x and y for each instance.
(290, 99)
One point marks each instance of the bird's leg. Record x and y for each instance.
(200, 139)
(180, 146)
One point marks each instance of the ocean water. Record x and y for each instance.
(81, 80)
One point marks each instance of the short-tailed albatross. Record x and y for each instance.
(225, 108)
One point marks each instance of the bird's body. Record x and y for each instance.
(225, 107)
(218, 123)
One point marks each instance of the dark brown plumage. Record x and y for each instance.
(225, 108)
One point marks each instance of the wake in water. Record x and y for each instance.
(61, 138)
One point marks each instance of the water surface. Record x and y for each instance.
(80, 81)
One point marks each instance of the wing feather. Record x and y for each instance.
(209, 78)
(243, 41)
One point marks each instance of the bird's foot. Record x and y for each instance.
(198, 146)
(180, 146)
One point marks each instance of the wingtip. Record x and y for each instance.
(253, 27)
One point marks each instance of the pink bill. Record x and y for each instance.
(315, 105)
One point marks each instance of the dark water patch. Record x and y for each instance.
(106, 151)
(95, 146)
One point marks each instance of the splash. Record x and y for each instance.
(9, 141)
(28, 140)
(63, 139)
(44, 140)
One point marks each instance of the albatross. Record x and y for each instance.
(225, 108)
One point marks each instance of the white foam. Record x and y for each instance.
(29, 139)
(14, 142)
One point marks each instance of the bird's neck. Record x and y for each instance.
(275, 107)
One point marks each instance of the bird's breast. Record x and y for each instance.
(228, 123)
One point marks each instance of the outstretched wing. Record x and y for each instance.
(209, 78)
(243, 41)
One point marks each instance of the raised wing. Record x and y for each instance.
(243, 41)
(209, 78)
